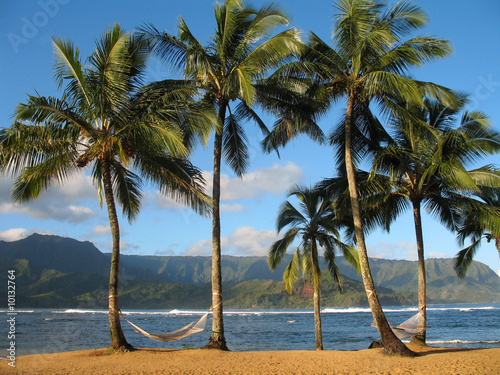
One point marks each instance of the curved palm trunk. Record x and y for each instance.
(217, 339)
(118, 340)
(317, 298)
(422, 295)
(392, 345)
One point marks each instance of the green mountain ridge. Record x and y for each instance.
(53, 271)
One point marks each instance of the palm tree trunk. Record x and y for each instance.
(317, 298)
(422, 295)
(392, 345)
(217, 339)
(118, 341)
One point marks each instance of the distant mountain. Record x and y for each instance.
(59, 253)
(54, 271)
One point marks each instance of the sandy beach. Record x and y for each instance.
(430, 361)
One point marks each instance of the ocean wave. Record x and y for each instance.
(353, 310)
(268, 312)
(349, 310)
(79, 311)
(462, 342)
(17, 311)
(185, 312)
(463, 308)
(327, 310)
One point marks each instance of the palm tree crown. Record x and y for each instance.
(103, 120)
(480, 219)
(424, 165)
(368, 63)
(240, 52)
(316, 224)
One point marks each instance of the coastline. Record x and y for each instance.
(430, 360)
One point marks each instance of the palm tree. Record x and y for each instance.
(227, 69)
(367, 64)
(317, 225)
(103, 120)
(424, 166)
(479, 220)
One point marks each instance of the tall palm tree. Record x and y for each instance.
(479, 220)
(103, 120)
(227, 69)
(367, 63)
(317, 225)
(425, 165)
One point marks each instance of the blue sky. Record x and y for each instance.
(250, 204)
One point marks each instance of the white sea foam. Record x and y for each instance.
(185, 312)
(79, 311)
(353, 310)
(464, 309)
(349, 310)
(328, 310)
(461, 342)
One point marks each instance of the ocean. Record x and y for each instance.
(56, 330)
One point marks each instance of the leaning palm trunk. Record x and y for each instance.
(217, 339)
(392, 345)
(422, 295)
(118, 341)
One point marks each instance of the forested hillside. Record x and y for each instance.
(62, 272)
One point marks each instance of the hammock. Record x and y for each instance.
(409, 328)
(191, 328)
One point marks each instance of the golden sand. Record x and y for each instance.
(429, 361)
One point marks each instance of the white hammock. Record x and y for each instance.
(409, 328)
(191, 328)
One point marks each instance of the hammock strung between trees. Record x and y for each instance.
(409, 328)
(191, 328)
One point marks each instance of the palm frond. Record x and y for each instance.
(234, 145)
(127, 189)
(169, 48)
(464, 258)
(38, 178)
(68, 66)
(176, 178)
(279, 248)
(292, 272)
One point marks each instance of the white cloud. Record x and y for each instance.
(165, 252)
(436, 254)
(57, 203)
(249, 241)
(14, 234)
(101, 230)
(165, 202)
(274, 180)
(107, 246)
(246, 241)
(232, 208)
(387, 250)
(200, 248)
(411, 255)
(43, 210)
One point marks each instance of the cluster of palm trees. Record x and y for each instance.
(127, 131)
